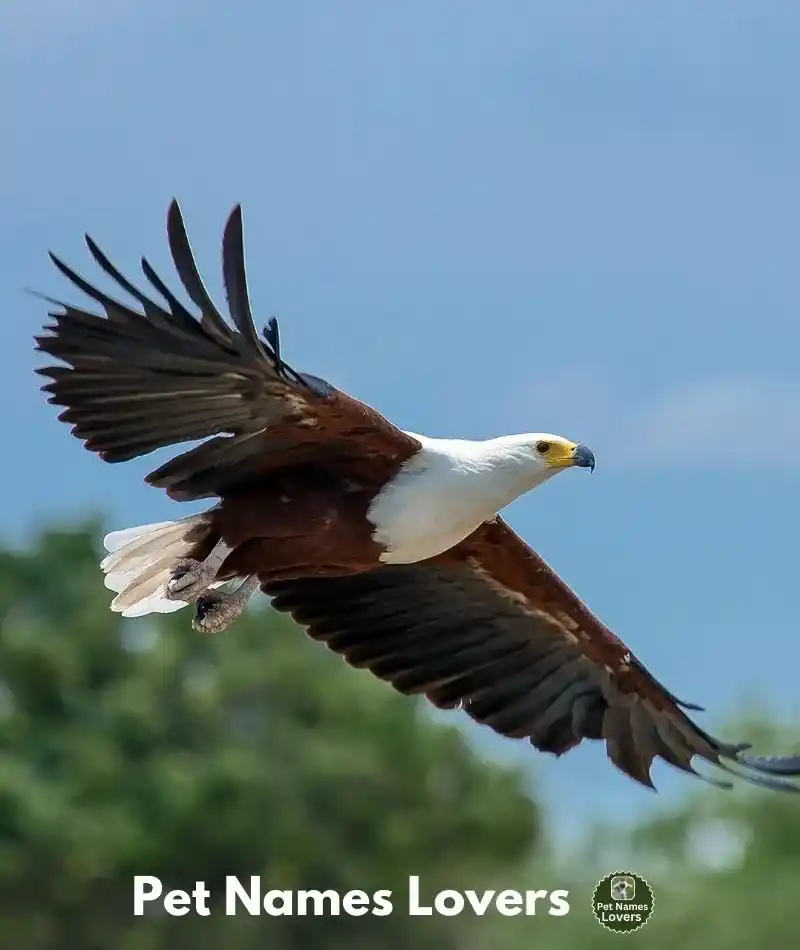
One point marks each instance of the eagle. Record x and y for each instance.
(387, 546)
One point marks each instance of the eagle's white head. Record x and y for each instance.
(552, 452)
(515, 464)
(450, 486)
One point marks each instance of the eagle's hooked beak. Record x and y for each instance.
(583, 457)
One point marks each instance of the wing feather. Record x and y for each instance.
(137, 380)
(491, 629)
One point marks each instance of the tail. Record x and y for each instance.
(141, 560)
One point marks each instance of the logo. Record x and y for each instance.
(623, 902)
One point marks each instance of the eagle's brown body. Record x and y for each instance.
(296, 521)
(297, 468)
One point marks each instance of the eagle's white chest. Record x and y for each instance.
(442, 495)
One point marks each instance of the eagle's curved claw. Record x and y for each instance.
(190, 579)
(215, 612)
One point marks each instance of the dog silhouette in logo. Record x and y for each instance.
(622, 888)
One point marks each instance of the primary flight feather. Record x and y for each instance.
(386, 545)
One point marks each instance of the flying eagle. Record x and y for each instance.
(385, 545)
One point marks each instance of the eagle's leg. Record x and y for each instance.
(217, 611)
(191, 578)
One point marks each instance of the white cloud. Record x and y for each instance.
(747, 421)
(713, 423)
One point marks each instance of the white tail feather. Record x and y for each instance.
(140, 563)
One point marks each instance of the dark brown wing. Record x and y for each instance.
(492, 629)
(139, 379)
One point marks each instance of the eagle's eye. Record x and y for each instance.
(542, 448)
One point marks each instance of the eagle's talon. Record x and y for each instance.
(204, 608)
(216, 612)
(190, 579)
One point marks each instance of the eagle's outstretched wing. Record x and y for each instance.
(139, 379)
(490, 628)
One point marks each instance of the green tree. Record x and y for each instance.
(723, 866)
(139, 747)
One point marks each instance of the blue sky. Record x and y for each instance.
(480, 218)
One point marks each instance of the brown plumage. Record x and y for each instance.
(297, 468)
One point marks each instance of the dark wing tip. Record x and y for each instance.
(233, 242)
(233, 236)
(234, 274)
(235, 219)
(177, 234)
(174, 213)
(94, 250)
(772, 772)
(693, 707)
(65, 270)
(772, 765)
(47, 299)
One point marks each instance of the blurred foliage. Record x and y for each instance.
(140, 747)
(132, 747)
(723, 865)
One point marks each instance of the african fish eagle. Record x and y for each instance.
(385, 545)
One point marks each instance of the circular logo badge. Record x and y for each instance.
(623, 902)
